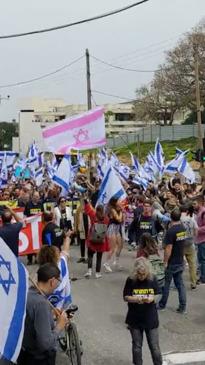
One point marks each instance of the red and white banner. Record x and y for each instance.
(30, 238)
(81, 132)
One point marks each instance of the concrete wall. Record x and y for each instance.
(150, 134)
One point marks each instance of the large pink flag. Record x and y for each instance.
(81, 132)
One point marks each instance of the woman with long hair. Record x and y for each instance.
(147, 246)
(139, 292)
(63, 215)
(97, 240)
(115, 233)
(61, 297)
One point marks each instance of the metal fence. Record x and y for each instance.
(151, 133)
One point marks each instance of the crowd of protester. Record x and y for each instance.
(165, 224)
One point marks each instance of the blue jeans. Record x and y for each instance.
(201, 260)
(175, 272)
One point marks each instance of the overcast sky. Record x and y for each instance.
(136, 39)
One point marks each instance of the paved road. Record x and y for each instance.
(102, 312)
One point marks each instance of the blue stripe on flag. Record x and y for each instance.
(119, 194)
(104, 183)
(11, 154)
(183, 166)
(63, 268)
(17, 320)
(61, 182)
(171, 168)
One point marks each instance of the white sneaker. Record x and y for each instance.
(107, 267)
(88, 274)
(98, 275)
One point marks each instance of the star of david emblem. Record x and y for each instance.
(81, 136)
(117, 164)
(6, 277)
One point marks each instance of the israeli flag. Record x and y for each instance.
(178, 151)
(10, 158)
(63, 175)
(102, 163)
(13, 294)
(154, 166)
(159, 154)
(51, 167)
(39, 176)
(33, 151)
(186, 170)
(41, 159)
(33, 157)
(4, 173)
(61, 297)
(172, 166)
(138, 168)
(141, 182)
(123, 172)
(114, 161)
(111, 187)
(135, 163)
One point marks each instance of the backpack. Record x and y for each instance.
(158, 269)
(98, 233)
(188, 225)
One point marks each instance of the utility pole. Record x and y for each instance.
(198, 100)
(89, 103)
(89, 94)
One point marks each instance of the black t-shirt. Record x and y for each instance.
(176, 236)
(32, 209)
(145, 315)
(9, 232)
(52, 235)
(94, 198)
(49, 204)
(145, 225)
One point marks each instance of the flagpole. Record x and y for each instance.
(56, 311)
(89, 96)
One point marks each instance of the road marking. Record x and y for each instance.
(184, 358)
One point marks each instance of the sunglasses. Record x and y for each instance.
(63, 201)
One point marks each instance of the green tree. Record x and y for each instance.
(173, 85)
(7, 131)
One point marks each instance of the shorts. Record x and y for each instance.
(114, 230)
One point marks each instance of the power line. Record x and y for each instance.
(104, 15)
(111, 95)
(122, 68)
(42, 76)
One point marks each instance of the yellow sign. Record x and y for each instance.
(9, 203)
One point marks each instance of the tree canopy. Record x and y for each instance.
(173, 87)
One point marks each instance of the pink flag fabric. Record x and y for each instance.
(81, 132)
